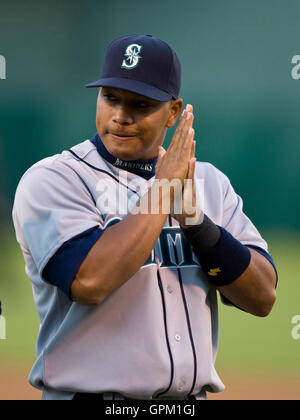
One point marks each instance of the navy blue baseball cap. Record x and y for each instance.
(142, 64)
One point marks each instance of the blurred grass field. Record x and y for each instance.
(267, 343)
(247, 344)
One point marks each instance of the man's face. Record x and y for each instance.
(132, 126)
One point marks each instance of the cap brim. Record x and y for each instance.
(133, 86)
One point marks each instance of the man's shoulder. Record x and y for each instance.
(55, 170)
(210, 172)
(59, 161)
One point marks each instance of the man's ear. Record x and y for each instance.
(175, 110)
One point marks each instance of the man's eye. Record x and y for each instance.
(143, 104)
(110, 98)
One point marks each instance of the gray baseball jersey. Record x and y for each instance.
(156, 337)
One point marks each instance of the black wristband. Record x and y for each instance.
(203, 236)
(225, 261)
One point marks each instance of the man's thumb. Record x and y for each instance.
(161, 153)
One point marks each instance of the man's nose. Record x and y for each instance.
(123, 116)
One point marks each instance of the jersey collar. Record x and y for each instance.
(143, 168)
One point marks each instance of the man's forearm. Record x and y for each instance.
(254, 291)
(119, 253)
(242, 275)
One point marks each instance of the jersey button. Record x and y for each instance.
(177, 337)
(180, 387)
(169, 289)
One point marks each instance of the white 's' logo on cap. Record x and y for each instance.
(132, 56)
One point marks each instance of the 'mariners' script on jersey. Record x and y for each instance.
(133, 165)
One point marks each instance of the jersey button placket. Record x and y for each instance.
(178, 334)
(181, 385)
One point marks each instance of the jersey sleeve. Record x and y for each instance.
(235, 220)
(62, 268)
(52, 206)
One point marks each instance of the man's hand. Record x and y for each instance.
(177, 164)
(184, 208)
(174, 163)
(189, 213)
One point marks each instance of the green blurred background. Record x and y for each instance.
(236, 58)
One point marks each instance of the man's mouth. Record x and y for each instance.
(122, 136)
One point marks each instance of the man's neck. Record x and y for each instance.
(142, 167)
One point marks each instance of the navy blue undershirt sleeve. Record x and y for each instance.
(266, 255)
(62, 268)
(269, 258)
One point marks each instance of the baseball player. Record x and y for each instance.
(127, 299)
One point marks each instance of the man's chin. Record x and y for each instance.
(124, 152)
(123, 149)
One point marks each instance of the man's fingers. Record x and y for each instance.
(191, 171)
(189, 108)
(186, 122)
(186, 147)
(193, 149)
(179, 128)
(180, 150)
(185, 139)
